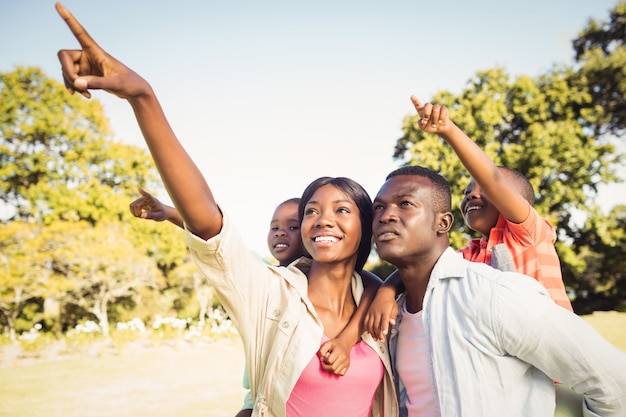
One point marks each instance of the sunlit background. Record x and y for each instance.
(267, 96)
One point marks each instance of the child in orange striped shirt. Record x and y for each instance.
(498, 203)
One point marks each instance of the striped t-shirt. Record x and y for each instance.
(531, 245)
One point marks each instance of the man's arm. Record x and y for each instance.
(563, 346)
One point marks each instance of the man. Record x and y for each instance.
(471, 340)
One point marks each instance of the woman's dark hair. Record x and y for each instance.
(362, 200)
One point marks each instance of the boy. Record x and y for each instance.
(283, 238)
(498, 204)
(472, 340)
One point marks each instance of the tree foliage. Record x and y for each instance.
(57, 158)
(162, 242)
(25, 273)
(557, 129)
(601, 56)
(601, 246)
(533, 125)
(69, 184)
(102, 264)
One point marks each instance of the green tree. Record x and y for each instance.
(66, 179)
(161, 241)
(601, 58)
(20, 278)
(192, 286)
(600, 246)
(537, 126)
(102, 263)
(186, 289)
(57, 158)
(70, 263)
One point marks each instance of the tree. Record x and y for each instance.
(537, 126)
(601, 244)
(102, 264)
(161, 241)
(164, 244)
(188, 280)
(57, 158)
(66, 180)
(20, 279)
(601, 58)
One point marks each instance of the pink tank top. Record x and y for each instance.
(320, 393)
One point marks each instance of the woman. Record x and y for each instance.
(283, 314)
(284, 242)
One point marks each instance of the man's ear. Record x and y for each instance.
(444, 222)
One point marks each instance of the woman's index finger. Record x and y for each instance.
(81, 35)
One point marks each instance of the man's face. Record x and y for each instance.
(404, 221)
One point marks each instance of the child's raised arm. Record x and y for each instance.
(149, 207)
(504, 195)
(92, 68)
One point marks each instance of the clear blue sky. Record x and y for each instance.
(267, 96)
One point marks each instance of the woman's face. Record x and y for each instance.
(331, 226)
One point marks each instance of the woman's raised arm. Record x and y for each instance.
(92, 68)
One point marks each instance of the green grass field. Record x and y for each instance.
(611, 325)
(186, 382)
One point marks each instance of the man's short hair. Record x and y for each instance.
(441, 196)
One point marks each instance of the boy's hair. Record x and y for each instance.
(521, 182)
(441, 195)
(295, 200)
(362, 200)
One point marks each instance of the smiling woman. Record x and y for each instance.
(348, 197)
(283, 314)
(312, 302)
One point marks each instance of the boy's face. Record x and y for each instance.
(479, 214)
(283, 238)
(404, 219)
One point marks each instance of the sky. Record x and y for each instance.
(267, 96)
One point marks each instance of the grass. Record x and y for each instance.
(611, 325)
(166, 381)
(202, 381)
